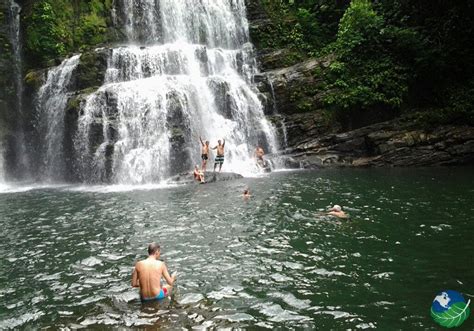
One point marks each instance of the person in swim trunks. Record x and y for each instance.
(147, 276)
(220, 155)
(204, 154)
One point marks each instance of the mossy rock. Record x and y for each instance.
(91, 69)
(34, 79)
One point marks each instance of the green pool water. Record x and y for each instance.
(270, 262)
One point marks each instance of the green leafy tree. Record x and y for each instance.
(365, 73)
(45, 38)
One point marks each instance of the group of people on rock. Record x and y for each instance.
(219, 160)
(199, 174)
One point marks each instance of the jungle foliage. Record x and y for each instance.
(387, 55)
(55, 28)
(397, 55)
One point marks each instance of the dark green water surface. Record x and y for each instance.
(270, 262)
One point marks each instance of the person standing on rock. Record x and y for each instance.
(259, 153)
(147, 276)
(204, 154)
(220, 155)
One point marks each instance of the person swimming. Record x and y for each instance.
(247, 193)
(337, 211)
(147, 276)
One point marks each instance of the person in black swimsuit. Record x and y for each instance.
(204, 154)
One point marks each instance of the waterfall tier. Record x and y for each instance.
(192, 77)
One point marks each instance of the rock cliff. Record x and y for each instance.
(392, 143)
(313, 137)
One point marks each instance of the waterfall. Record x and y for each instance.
(21, 157)
(2, 170)
(15, 10)
(191, 76)
(14, 38)
(284, 131)
(51, 102)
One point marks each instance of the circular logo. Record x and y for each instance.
(449, 309)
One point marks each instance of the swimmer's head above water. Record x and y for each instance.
(336, 208)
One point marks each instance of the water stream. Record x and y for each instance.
(22, 162)
(51, 104)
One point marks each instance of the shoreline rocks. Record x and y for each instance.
(396, 143)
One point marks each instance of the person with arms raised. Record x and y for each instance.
(204, 154)
(220, 155)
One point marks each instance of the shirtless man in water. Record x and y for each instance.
(220, 154)
(338, 212)
(204, 154)
(147, 276)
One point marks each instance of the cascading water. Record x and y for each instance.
(275, 111)
(15, 10)
(51, 103)
(192, 78)
(14, 36)
(2, 168)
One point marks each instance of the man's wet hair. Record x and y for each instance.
(153, 248)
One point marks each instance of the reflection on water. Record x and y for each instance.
(271, 261)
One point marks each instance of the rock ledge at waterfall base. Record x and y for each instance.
(210, 177)
(396, 143)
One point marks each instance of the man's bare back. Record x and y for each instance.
(147, 275)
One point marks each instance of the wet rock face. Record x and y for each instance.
(180, 134)
(294, 89)
(397, 143)
(7, 89)
(255, 10)
(90, 71)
